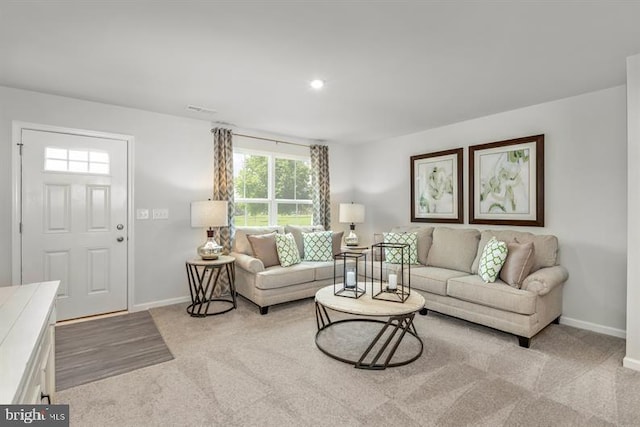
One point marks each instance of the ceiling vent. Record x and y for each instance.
(198, 109)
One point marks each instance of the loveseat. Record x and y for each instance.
(447, 275)
(275, 284)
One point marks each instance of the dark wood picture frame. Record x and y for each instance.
(506, 182)
(446, 172)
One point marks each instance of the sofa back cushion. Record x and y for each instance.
(545, 246)
(454, 249)
(241, 243)
(297, 230)
(424, 236)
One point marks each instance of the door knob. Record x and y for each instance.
(119, 226)
(120, 239)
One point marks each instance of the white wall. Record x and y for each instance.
(173, 165)
(632, 359)
(585, 194)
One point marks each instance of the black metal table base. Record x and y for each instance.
(396, 326)
(202, 290)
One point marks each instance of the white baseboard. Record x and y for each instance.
(161, 303)
(630, 363)
(607, 330)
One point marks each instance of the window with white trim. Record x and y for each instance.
(271, 189)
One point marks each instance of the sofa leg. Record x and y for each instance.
(264, 310)
(423, 311)
(524, 341)
(556, 321)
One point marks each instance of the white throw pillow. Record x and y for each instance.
(492, 260)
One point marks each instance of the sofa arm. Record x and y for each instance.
(248, 263)
(545, 279)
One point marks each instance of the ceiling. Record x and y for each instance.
(391, 68)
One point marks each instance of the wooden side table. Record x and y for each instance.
(204, 279)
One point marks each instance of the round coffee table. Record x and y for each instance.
(383, 346)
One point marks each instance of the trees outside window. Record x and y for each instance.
(271, 189)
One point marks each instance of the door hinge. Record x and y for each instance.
(20, 228)
(20, 144)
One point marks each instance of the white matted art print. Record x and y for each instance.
(436, 187)
(507, 182)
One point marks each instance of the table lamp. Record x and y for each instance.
(352, 213)
(210, 213)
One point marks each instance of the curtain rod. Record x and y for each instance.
(272, 140)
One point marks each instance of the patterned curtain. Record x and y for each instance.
(320, 185)
(223, 179)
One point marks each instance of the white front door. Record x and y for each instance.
(74, 219)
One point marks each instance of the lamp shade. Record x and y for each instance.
(210, 213)
(352, 213)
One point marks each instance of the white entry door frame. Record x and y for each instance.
(16, 212)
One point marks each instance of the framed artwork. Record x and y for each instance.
(436, 187)
(506, 182)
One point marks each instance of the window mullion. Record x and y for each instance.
(273, 207)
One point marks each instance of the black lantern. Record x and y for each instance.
(390, 281)
(350, 274)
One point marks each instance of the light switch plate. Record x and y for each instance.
(161, 214)
(142, 213)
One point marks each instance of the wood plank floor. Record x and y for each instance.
(101, 348)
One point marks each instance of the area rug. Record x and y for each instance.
(101, 348)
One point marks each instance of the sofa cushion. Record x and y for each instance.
(336, 239)
(497, 295)
(545, 246)
(396, 255)
(241, 243)
(454, 249)
(264, 248)
(318, 246)
(433, 279)
(324, 270)
(287, 250)
(424, 236)
(279, 277)
(297, 230)
(518, 264)
(492, 260)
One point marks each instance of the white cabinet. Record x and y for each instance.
(27, 343)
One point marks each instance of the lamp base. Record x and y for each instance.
(210, 250)
(351, 239)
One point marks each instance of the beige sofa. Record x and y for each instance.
(447, 277)
(267, 286)
(446, 274)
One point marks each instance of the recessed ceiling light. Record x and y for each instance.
(317, 84)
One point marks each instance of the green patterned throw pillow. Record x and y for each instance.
(318, 246)
(492, 260)
(393, 255)
(287, 250)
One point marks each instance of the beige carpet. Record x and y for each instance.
(243, 369)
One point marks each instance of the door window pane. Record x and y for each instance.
(76, 161)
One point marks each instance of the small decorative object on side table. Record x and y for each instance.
(204, 279)
(346, 274)
(388, 279)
